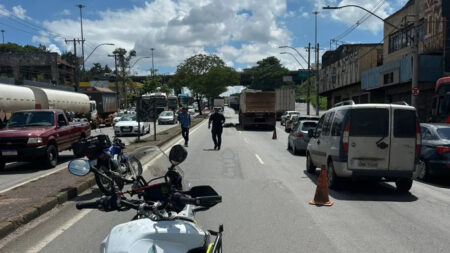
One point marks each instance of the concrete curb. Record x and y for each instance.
(51, 201)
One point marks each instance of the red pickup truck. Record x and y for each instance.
(38, 136)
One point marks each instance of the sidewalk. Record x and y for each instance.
(27, 202)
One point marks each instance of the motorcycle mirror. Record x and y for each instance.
(79, 167)
(177, 154)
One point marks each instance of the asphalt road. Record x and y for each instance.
(265, 206)
(17, 173)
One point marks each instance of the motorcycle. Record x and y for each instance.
(165, 209)
(108, 158)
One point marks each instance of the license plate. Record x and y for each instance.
(9, 152)
(126, 130)
(367, 164)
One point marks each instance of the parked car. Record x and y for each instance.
(118, 116)
(286, 115)
(298, 138)
(191, 110)
(292, 122)
(39, 135)
(128, 125)
(435, 151)
(167, 117)
(372, 141)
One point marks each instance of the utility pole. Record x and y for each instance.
(317, 64)
(117, 80)
(82, 37)
(76, 74)
(308, 93)
(154, 103)
(415, 55)
(3, 36)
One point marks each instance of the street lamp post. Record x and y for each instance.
(154, 105)
(316, 46)
(102, 44)
(308, 95)
(294, 58)
(415, 44)
(82, 37)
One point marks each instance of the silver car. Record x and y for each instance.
(298, 138)
(167, 117)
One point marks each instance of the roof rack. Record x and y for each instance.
(346, 102)
(399, 103)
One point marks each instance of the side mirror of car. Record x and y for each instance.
(311, 133)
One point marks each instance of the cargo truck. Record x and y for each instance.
(234, 102)
(257, 108)
(106, 105)
(285, 100)
(172, 103)
(219, 103)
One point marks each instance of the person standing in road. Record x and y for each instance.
(185, 121)
(217, 120)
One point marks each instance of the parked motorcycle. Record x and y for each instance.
(165, 210)
(108, 159)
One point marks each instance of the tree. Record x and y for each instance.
(267, 75)
(124, 63)
(204, 75)
(16, 48)
(69, 57)
(107, 69)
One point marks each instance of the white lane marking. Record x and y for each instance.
(259, 159)
(245, 139)
(57, 232)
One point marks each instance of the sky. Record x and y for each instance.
(241, 32)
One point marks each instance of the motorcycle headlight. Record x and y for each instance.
(34, 140)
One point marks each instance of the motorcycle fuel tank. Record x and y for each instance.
(145, 235)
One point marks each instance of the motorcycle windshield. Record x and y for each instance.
(154, 162)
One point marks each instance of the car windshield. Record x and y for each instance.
(293, 113)
(444, 132)
(128, 118)
(24, 119)
(168, 113)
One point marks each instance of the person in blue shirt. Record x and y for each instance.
(185, 121)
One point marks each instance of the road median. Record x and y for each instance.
(22, 204)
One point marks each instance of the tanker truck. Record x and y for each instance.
(16, 98)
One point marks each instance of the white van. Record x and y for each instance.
(371, 141)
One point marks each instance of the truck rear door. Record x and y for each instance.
(369, 128)
(403, 139)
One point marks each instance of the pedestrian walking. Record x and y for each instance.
(217, 120)
(185, 121)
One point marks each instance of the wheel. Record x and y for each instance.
(2, 165)
(310, 167)
(403, 185)
(159, 122)
(51, 156)
(106, 186)
(332, 178)
(423, 175)
(294, 150)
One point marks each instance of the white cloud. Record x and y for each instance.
(65, 12)
(180, 29)
(305, 14)
(3, 11)
(54, 48)
(20, 12)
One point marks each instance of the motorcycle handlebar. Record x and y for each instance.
(88, 205)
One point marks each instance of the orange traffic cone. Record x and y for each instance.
(274, 136)
(321, 197)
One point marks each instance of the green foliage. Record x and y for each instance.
(16, 48)
(302, 92)
(40, 77)
(204, 75)
(69, 57)
(267, 75)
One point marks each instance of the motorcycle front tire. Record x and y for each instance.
(106, 186)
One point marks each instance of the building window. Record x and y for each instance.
(401, 39)
(389, 78)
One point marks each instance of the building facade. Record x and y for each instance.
(340, 76)
(36, 67)
(392, 82)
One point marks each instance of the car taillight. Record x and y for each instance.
(418, 139)
(299, 135)
(346, 136)
(443, 149)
